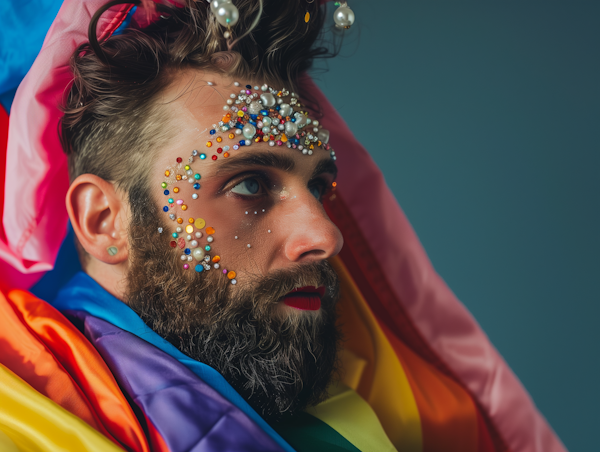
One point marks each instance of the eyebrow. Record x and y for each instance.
(271, 160)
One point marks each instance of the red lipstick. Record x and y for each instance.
(305, 298)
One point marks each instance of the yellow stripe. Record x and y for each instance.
(382, 381)
(34, 423)
(348, 414)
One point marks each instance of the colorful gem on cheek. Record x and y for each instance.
(179, 220)
(195, 196)
(183, 207)
(176, 190)
(219, 150)
(179, 202)
(202, 156)
(197, 176)
(178, 177)
(170, 200)
(236, 147)
(166, 192)
(163, 185)
(231, 136)
(199, 268)
(181, 243)
(175, 235)
(179, 159)
(190, 221)
(186, 266)
(199, 223)
(231, 274)
(213, 131)
(219, 139)
(210, 230)
(226, 155)
(208, 144)
(216, 259)
(214, 157)
(187, 251)
(196, 186)
(165, 208)
(173, 243)
(189, 229)
(167, 173)
(207, 247)
(224, 271)
(187, 167)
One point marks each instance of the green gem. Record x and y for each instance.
(207, 247)
(164, 185)
(170, 200)
(174, 235)
(197, 176)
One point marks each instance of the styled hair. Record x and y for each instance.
(112, 123)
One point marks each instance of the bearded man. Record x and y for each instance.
(212, 302)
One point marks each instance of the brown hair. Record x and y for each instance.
(110, 125)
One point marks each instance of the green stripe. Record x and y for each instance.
(306, 433)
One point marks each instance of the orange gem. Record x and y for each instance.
(183, 207)
(179, 220)
(178, 177)
(283, 138)
(334, 184)
(210, 230)
(216, 259)
(219, 139)
(190, 220)
(231, 136)
(167, 173)
(265, 138)
(231, 274)
(226, 155)
(257, 139)
(176, 190)
(208, 144)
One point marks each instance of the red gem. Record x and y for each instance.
(181, 242)
(173, 243)
(271, 137)
(214, 157)
(220, 150)
(179, 160)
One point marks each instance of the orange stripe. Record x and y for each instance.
(448, 415)
(43, 348)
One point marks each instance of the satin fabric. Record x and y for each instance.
(82, 293)
(187, 413)
(30, 422)
(44, 349)
(382, 253)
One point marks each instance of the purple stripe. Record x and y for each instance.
(188, 414)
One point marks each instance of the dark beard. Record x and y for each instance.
(279, 363)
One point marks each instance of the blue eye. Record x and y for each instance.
(247, 187)
(316, 192)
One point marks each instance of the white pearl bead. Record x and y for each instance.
(227, 14)
(183, 257)
(194, 243)
(189, 237)
(195, 196)
(214, 4)
(216, 266)
(236, 83)
(178, 229)
(198, 254)
(249, 131)
(225, 107)
(198, 235)
(229, 102)
(189, 258)
(343, 17)
(234, 281)
(209, 239)
(238, 131)
(271, 143)
(249, 246)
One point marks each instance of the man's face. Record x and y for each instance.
(271, 334)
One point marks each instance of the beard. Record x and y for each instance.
(280, 361)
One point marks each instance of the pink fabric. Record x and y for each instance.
(35, 221)
(441, 319)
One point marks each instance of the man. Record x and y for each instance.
(206, 316)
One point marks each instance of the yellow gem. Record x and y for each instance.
(208, 144)
(187, 167)
(183, 207)
(219, 139)
(231, 136)
(307, 17)
(199, 223)
(240, 113)
(167, 173)
(190, 220)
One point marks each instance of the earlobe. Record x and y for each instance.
(98, 216)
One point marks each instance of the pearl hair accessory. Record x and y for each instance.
(343, 16)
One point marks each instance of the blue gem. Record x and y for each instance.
(253, 117)
(196, 185)
(166, 192)
(277, 108)
(187, 251)
(248, 86)
(213, 131)
(264, 112)
(239, 125)
(174, 235)
(253, 123)
(207, 247)
(293, 119)
(197, 176)
(165, 208)
(202, 156)
(296, 141)
(242, 142)
(199, 268)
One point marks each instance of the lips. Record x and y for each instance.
(305, 298)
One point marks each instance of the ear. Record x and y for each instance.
(99, 216)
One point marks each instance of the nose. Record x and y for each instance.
(312, 235)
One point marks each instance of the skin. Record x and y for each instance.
(290, 184)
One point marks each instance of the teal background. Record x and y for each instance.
(485, 119)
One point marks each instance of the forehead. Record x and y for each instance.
(222, 119)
